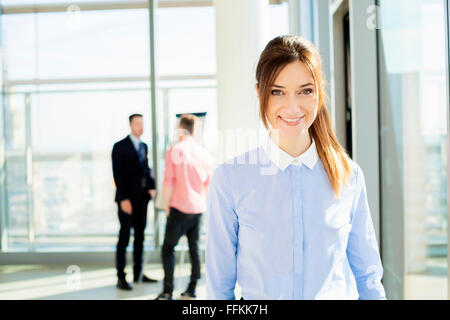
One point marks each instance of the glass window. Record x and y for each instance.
(73, 135)
(85, 122)
(413, 147)
(3, 230)
(279, 19)
(72, 188)
(61, 45)
(59, 136)
(19, 46)
(16, 168)
(186, 40)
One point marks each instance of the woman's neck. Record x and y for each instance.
(294, 146)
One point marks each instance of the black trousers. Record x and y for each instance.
(179, 224)
(137, 220)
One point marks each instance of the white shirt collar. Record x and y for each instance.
(282, 159)
(136, 141)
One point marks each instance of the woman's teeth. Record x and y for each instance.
(292, 120)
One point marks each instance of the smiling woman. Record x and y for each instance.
(314, 203)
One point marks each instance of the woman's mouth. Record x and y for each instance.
(291, 121)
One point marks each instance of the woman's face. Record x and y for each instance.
(293, 101)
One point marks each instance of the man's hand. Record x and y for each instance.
(152, 193)
(125, 206)
(167, 210)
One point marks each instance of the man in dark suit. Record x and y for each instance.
(135, 187)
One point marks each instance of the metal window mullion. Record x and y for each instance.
(380, 160)
(38, 81)
(96, 6)
(152, 5)
(321, 29)
(29, 169)
(294, 17)
(306, 23)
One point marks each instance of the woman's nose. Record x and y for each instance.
(293, 104)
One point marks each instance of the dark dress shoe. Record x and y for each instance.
(164, 296)
(124, 285)
(188, 295)
(145, 279)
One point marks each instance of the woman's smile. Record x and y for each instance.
(292, 121)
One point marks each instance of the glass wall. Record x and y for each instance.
(71, 79)
(413, 128)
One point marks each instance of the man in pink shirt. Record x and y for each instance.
(186, 180)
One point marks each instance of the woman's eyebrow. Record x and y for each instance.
(302, 86)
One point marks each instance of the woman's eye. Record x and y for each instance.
(307, 92)
(277, 92)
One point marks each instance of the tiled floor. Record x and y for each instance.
(59, 283)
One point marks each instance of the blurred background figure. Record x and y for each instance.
(135, 187)
(186, 180)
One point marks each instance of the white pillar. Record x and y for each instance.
(242, 29)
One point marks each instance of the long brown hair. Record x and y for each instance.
(280, 52)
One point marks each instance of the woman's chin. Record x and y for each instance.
(291, 132)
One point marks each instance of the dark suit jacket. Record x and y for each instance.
(127, 172)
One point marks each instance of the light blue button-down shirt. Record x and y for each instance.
(275, 227)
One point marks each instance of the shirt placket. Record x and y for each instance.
(297, 216)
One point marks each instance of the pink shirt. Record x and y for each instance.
(188, 172)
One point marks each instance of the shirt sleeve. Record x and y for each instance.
(169, 169)
(118, 164)
(221, 240)
(362, 248)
